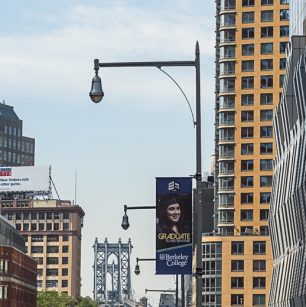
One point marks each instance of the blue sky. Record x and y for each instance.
(141, 130)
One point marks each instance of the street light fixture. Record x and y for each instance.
(125, 219)
(96, 94)
(137, 268)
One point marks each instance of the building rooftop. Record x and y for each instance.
(7, 111)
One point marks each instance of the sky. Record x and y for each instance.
(107, 155)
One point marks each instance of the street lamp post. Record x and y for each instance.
(125, 219)
(96, 94)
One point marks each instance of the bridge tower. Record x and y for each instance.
(119, 286)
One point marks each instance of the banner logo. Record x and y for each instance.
(5, 171)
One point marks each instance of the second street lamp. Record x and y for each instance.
(96, 94)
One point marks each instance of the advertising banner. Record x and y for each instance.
(24, 179)
(174, 225)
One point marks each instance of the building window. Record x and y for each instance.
(56, 226)
(266, 64)
(246, 198)
(237, 282)
(248, 49)
(259, 300)
(284, 31)
(18, 226)
(65, 226)
(282, 47)
(37, 238)
(265, 197)
(284, 14)
(37, 249)
(259, 248)
(3, 266)
(281, 80)
(266, 81)
(247, 116)
(266, 164)
(66, 215)
(237, 299)
(237, 248)
(246, 215)
(247, 82)
(52, 260)
(266, 2)
(247, 17)
(49, 215)
(264, 214)
(247, 66)
(51, 283)
(247, 33)
(34, 215)
(266, 99)
(247, 2)
(237, 265)
(52, 249)
(65, 248)
(266, 32)
(52, 272)
(265, 181)
(64, 272)
(41, 215)
(247, 165)
(266, 115)
(247, 149)
(282, 63)
(259, 265)
(247, 181)
(259, 282)
(266, 16)
(266, 132)
(247, 99)
(65, 238)
(64, 283)
(49, 226)
(284, 1)
(3, 292)
(247, 132)
(33, 226)
(41, 226)
(264, 230)
(65, 260)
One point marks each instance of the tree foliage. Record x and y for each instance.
(53, 298)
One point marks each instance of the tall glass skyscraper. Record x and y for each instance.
(287, 218)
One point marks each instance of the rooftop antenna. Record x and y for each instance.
(75, 187)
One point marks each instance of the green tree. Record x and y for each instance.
(87, 302)
(53, 298)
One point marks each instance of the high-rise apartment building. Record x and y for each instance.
(288, 211)
(15, 149)
(251, 40)
(52, 229)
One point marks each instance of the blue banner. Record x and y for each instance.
(174, 225)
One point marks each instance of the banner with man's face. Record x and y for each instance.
(174, 225)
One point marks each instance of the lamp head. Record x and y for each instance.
(137, 269)
(96, 93)
(125, 222)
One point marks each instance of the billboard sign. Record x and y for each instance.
(24, 179)
(174, 225)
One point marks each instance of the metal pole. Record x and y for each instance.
(176, 290)
(198, 204)
(183, 290)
